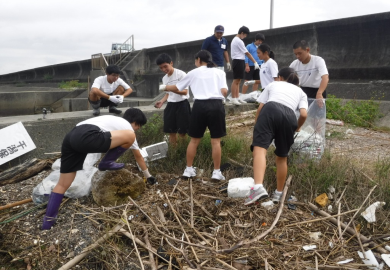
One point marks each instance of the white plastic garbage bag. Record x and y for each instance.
(240, 187)
(80, 187)
(249, 98)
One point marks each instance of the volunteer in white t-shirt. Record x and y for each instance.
(108, 91)
(269, 69)
(104, 134)
(238, 53)
(208, 85)
(178, 111)
(311, 69)
(276, 120)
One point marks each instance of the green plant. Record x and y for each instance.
(360, 113)
(20, 84)
(72, 84)
(47, 77)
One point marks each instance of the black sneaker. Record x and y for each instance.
(113, 109)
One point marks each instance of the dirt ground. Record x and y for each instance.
(81, 222)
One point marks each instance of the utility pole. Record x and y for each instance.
(271, 22)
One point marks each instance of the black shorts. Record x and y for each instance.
(253, 74)
(207, 113)
(177, 117)
(312, 92)
(238, 68)
(81, 141)
(278, 122)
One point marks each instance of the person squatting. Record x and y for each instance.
(284, 91)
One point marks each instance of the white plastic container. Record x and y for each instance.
(240, 187)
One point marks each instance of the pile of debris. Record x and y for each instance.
(193, 224)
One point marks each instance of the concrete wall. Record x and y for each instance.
(354, 49)
(78, 70)
(29, 102)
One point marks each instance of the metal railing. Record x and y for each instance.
(98, 61)
(118, 54)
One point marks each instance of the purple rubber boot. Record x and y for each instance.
(108, 161)
(53, 205)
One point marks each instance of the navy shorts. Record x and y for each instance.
(209, 113)
(177, 117)
(275, 122)
(81, 141)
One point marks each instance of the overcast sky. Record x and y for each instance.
(42, 32)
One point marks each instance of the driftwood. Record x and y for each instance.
(23, 171)
(349, 230)
(10, 205)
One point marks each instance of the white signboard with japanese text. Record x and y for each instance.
(14, 142)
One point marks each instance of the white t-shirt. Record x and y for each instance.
(176, 76)
(310, 74)
(110, 123)
(268, 71)
(284, 93)
(205, 83)
(238, 49)
(102, 84)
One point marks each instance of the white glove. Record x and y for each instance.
(146, 173)
(162, 87)
(249, 83)
(116, 99)
(257, 66)
(228, 66)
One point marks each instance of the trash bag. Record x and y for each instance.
(80, 187)
(249, 98)
(310, 141)
(240, 187)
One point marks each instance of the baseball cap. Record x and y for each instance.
(219, 28)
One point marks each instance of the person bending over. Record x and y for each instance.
(104, 134)
(276, 120)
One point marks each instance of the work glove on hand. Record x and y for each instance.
(151, 180)
(228, 66)
(257, 66)
(116, 99)
(162, 87)
(249, 83)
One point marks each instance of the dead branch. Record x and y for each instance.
(23, 171)
(320, 219)
(151, 257)
(347, 229)
(10, 205)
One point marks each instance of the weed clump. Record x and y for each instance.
(72, 84)
(361, 113)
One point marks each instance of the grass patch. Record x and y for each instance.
(361, 113)
(72, 84)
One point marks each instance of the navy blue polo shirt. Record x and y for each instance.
(214, 46)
